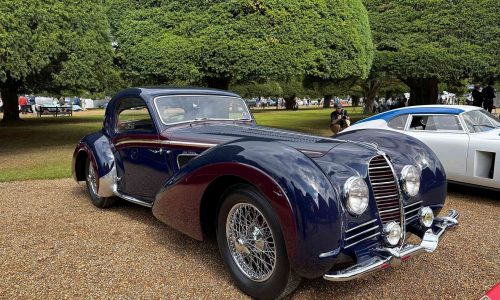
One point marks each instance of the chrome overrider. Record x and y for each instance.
(384, 258)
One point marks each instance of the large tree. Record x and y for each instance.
(52, 46)
(215, 43)
(424, 42)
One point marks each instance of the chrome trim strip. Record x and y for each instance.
(393, 257)
(364, 231)
(401, 208)
(379, 168)
(382, 183)
(361, 225)
(388, 196)
(368, 237)
(132, 199)
(409, 212)
(413, 204)
(388, 210)
(162, 142)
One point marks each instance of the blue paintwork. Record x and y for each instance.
(389, 115)
(312, 182)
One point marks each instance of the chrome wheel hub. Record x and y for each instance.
(251, 242)
(92, 179)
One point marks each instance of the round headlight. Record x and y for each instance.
(426, 216)
(392, 233)
(410, 176)
(356, 192)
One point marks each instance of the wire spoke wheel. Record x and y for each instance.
(251, 242)
(92, 179)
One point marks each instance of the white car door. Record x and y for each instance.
(446, 137)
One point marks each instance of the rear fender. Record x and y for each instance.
(97, 148)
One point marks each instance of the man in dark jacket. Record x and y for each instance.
(339, 119)
(488, 95)
(477, 98)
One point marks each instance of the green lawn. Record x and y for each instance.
(42, 148)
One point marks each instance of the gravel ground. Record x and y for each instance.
(55, 244)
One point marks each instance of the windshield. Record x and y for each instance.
(480, 120)
(184, 108)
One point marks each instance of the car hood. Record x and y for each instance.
(215, 134)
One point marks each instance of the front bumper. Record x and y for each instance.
(393, 257)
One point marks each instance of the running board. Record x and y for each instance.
(132, 199)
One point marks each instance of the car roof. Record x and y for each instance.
(421, 109)
(151, 92)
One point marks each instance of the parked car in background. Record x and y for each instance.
(251, 102)
(283, 205)
(465, 138)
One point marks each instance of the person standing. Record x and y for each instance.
(339, 119)
(477, 97)
(23, 103)
(488, 95)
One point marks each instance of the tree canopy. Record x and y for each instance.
(424, 42)
(216, 43)
(52, 46)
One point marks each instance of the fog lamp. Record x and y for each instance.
(426, 216)
(392, 232)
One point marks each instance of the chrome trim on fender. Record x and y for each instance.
(107, 183)
(361, 225)
(168, 143)
(393, 257)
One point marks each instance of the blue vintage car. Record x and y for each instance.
(282, 205)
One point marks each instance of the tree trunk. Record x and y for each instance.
(422, 90)
(218, 83)
(355, 101)
(326, 101)
(371, 90)
(290, 102)
(9, 92)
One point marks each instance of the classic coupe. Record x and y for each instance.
(466, 139)
(282, 205)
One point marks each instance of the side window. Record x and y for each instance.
(422, 123)
(133, 116)
(436, 123)
(398, 122)
(447, 122)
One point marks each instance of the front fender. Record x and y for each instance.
(305, 201)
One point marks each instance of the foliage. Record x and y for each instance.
(221, 42)
(52, 46)
(435, 41)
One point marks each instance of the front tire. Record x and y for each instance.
(252, 245)
(92, 181)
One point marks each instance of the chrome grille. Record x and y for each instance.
(361, 233)
(385, 190)
(411, 211)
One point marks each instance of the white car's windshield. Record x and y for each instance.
(189, 108)
(480, 120)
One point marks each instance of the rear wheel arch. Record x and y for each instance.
(80, 164)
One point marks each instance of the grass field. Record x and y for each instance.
(42, 148)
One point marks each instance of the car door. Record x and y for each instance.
(445, 135)
(143, 161)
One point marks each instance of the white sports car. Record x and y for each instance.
(465, 138)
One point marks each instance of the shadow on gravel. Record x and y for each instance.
(478, 193)
(180, 245)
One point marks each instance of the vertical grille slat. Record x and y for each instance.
(385, 190)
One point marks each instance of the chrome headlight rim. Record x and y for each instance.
(410, 175)
(353, 209)
(389, 230)
(426, 216)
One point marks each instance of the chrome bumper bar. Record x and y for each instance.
(393, 257)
